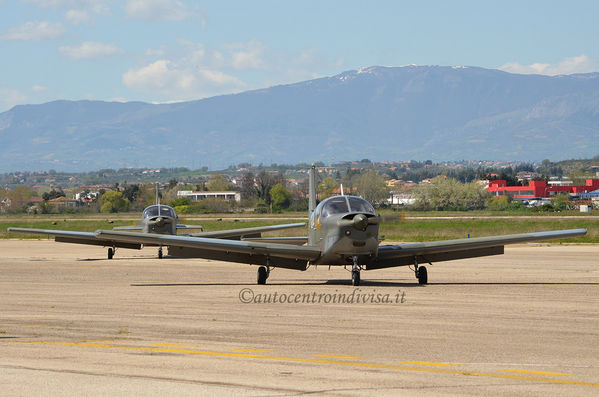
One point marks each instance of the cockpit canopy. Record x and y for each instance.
(345, 204)
(165, 210)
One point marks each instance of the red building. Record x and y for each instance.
(539, 189)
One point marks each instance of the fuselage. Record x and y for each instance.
(159, 219)
(344, 228)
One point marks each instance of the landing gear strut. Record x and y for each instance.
(420, 272)
(355, 273)
(111, 252)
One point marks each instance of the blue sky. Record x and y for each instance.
(173, 50)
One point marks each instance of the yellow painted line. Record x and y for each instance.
(172, 345)
(335, 356)
(33, 325)
(321, 361)
(524, 371)
(252, 350)
(430, 363)
(104, 341)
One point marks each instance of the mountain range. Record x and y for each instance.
(381, 113)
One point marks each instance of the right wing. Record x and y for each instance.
(66, 236)
(257, 253)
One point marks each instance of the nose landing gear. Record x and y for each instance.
(355, 272)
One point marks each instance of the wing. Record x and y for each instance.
(181, 226)
(66, 236)
(248, 232)
(128, 228)
(438, 251)
(258, 253)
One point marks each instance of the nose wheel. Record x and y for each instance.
(111, 253)
(160, 253)
(355, 272)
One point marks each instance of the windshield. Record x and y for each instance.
(165, 211)
(358, 204)
(345, 204)
(335, 205)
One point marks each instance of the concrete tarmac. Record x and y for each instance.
(73, 323)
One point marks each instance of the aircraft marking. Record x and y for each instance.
(320, 361)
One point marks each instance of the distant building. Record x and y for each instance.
(540, 189)
(197, 196)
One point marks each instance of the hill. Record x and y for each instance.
(380, 113)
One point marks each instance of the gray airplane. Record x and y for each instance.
(343, 231)
(158, 219)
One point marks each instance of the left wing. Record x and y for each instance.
(247, 232)
(438, 251)
(257, 253)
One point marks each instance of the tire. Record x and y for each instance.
(262, 275)
(422, 275)
(110, 253)
(355, 278)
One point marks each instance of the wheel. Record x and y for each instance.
(422, 275)
(262, 275)
(160, 253)
(355, 277)
(110, 253)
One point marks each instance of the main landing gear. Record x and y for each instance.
(160, 253)
(263, 273)
(420, 273)
(111, 252)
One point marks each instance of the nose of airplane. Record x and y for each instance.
(360, 222)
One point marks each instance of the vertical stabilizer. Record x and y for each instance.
(312, 189)
(157, 199)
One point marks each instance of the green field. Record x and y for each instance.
(415, 226)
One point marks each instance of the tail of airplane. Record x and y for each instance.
(312, 189)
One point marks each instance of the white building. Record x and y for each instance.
(197, 196)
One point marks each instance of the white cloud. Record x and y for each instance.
(168, 78)
(34, 31)
(77, 17)
(578, 64)
(158, 10)
(39, 88)
(248, 56)
(90, 50)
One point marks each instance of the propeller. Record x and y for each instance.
(359, 221)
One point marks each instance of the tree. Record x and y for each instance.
(326, 187)
(280, 196)
(264, 182)
(219, 183)
(248, 188)
(52, 194)
(445, 194)
(113, 201)
(371, 186)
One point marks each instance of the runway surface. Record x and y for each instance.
(74, 323)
